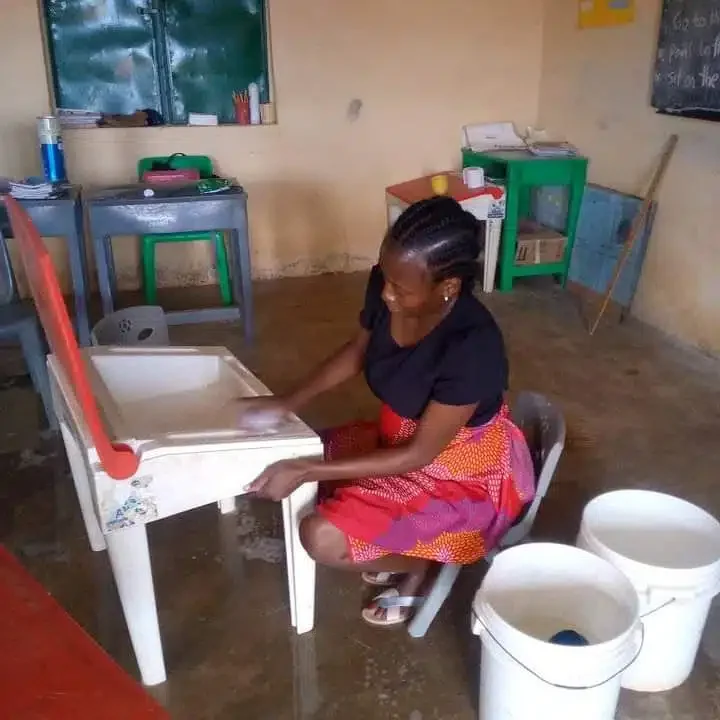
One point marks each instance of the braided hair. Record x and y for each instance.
(443, 234)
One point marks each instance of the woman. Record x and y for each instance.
(443, 473)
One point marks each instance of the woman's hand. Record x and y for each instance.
(262, 413)
(281, 478)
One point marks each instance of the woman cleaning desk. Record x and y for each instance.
(444, 472)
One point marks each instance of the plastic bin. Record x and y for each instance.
(529, 594)
(670, 550)
(140, 325)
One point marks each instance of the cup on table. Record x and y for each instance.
(474, 177)
(440, 184)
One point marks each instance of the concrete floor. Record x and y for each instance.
(641, 413)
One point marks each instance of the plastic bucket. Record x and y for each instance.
(670, 551)
(529, 594)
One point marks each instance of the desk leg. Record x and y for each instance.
(302, 567)
(130, 560)
(242, 279)
(81, 479)
(289, 559)
(79, 273)
(508, 246)
(493, 231)
(103, 263)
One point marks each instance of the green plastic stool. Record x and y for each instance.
(147, 254)
(203, 165)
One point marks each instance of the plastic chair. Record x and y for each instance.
(203, 164)
(544, 428)
(140, 325)
(19, 323)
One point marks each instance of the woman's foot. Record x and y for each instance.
(395, 605)
(390, 608)
(382, 579)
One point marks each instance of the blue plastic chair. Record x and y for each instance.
(19, 323)
(543, 425)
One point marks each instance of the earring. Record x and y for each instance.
(447, 298)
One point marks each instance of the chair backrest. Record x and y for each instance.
(8, 290)
(201, 163)
(140, 325)
(543, 425)
(118, 461)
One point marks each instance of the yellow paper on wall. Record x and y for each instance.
(606, 13)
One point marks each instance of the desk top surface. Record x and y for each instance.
(134, 194)
(71, 193)
(520, 155)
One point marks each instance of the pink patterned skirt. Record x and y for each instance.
(452, 511)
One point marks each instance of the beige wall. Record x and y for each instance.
(421, 68)
(595, 90)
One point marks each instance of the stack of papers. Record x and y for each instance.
(78, 118)
(33, 189)
(552, 149)
(483, 137)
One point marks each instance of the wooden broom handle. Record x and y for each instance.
(637, 225)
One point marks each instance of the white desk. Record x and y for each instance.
(173, 407)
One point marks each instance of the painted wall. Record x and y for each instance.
(595, 90)
(421, 68)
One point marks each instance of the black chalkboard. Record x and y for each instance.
(687, 69)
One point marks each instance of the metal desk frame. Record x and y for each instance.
(125, 211)
(63, 217)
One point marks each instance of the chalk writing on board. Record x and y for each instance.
(687, 68)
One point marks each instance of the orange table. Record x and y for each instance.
(50, 669)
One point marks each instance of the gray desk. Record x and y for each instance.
(125, 211)
(62, 217)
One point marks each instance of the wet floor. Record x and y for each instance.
(641, 413)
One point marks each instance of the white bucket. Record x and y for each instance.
(529, 594)
(670, 550)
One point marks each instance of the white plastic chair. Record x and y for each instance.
(544, 428)
(139, 325)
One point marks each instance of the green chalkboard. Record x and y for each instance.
(174, 56)
(102, 55)
(215, 47)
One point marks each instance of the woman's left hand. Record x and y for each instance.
(281, 478)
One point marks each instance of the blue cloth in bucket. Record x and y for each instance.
(569, 638)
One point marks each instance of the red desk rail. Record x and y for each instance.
(119, 461)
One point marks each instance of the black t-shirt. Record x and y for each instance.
(461, 361)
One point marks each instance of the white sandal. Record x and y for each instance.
(381, 579)
(396, 608)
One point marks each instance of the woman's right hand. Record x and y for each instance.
(262, 413)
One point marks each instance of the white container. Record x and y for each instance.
(254, 98)
(474, 177)
(670, 550)
(529, 594)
